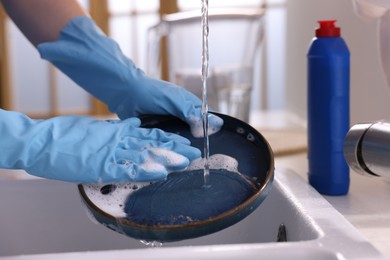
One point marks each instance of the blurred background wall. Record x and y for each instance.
(34, 87)
(370, 99)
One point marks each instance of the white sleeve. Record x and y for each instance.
(371, 8)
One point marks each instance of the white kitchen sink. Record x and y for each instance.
(43, 219)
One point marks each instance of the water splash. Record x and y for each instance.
(154, 244)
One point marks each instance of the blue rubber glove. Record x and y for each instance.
(85, 150)
(97, 64)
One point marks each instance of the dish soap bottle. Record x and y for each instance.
(328, 82)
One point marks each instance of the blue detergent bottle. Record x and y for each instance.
(328, 72)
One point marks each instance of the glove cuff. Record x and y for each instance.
(16, 138)
(92, 60)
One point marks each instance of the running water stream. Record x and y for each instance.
(205, 67)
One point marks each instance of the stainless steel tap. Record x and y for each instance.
(367, 148)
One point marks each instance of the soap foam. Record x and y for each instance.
(113, 202)
(216, 162)
(162, 160)
(158, 161)
(196, 125)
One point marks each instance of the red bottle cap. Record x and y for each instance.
(327, 29)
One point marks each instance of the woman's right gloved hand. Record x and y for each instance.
(97, 64)
(86, 150)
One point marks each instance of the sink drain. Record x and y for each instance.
(282, 233)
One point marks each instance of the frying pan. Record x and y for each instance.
(181, 207)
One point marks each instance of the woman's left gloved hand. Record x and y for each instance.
(96, 63)
(85, 150)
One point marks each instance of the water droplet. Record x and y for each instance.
(133, 173)
(151, 243)
(240, 130)
(125, 163)
(250, 137)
